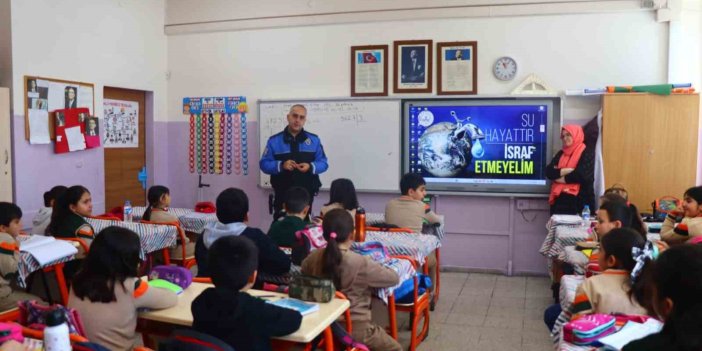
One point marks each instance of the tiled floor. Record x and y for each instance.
(487, 312)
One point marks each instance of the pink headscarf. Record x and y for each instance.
(569, 159)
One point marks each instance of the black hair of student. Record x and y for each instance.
(9, 212)
(113, 257)
(231, 261)
(154, 197)
(411, 181)
(695, 193)
(340, 222)
(677, 275)
(232, 206)
(626, 213)
(607, 197)
(296, 199)
(343, 191)
(618, 243)
(54, 194)
(62, 210)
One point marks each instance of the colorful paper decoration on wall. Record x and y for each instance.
(75, 130)
(218, 135)
(121, 123)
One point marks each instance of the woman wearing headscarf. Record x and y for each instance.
(572, 174)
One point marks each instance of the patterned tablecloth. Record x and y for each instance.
(373, 219)
(27, 264)
(417, 246)
(190, 220)
(151, 236)
(403, 268)
(578, 259)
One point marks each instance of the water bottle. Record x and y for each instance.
(127, 211)
(56, 332)
(360, 224)
(586, 216)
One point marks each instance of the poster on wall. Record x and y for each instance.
(121, 124)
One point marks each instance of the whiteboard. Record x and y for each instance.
(361, 138)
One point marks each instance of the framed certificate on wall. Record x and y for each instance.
(457, 68)
(369, 70)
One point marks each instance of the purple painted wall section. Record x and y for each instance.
(37, 168)
(478, 228)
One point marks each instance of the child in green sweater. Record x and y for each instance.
(297, 205)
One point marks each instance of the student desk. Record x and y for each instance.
(190, 221)
(313, 324)
(27, 264)
(151, 237)
(415, 245)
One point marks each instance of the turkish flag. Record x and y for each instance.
(369, 58)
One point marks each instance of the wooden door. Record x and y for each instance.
(122, 165)
(650, 144)
(5, 147)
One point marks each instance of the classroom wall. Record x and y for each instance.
(567, 51)
(5, 45)
(105, 42)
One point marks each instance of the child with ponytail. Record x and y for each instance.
(159, 200)
(354, 275)
(690, 213)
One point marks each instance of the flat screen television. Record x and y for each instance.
(487, 146)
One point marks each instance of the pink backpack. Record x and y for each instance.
(588, 329)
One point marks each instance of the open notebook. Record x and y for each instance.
(300, 306)
(46, 249)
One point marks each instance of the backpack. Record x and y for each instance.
(662, 206)
(308, 239)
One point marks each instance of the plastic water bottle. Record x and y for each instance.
(127, 211)
(586, 216)
(56, 332)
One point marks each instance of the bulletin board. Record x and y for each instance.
(49, 94)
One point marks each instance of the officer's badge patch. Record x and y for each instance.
(308, 141)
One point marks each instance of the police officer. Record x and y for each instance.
(294, 157)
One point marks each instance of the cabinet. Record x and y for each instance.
(649, 144)
(5, 147)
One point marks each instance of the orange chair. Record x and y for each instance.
(418, 309)
(184, 260)
(60, 280)
(10, 315)
(39, 335)
(107, 217)
(206, 280)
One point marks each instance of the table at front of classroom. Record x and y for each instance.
(312, 325)
(152, 237)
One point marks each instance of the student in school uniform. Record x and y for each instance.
(671, 288)
(691, 223)
(354, 275)
(232, 216)
(10, 226)
(342, 194)
(43, 217)
(610, 291)
(68, 216)
(296, 206)
(409, 211)
(159, 198)
(227, 311)
(107, 291)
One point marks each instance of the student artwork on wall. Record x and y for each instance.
(413, 66)
(457, 68)
(69, 131)
(121, 119)
(218, 135)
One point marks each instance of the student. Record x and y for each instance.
(43, 217)
(159, 198)
(232, 215)
(691, 224)
(608, 292)
(68, 216)
(342, 194)
(354, 275)
(408, 211)
(10, 226)
(672, 287)
(617, 213)
(107, 291)
(227, 311)
(296, 206)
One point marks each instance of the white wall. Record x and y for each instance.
(118, 43)
(5, 45)
(587, 50)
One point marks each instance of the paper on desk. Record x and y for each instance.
(39, 127)
(76, 139)
(630, 332)
(46, 249)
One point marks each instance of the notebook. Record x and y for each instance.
(46, 249)
(304, 308)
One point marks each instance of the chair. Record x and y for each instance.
(206, 280)
(107, 217)
(190, 340)
(39, 335)
(12, 315)
(184, 259)
(418, 309)
(60, 280)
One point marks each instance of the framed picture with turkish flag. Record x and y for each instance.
(369, 70)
